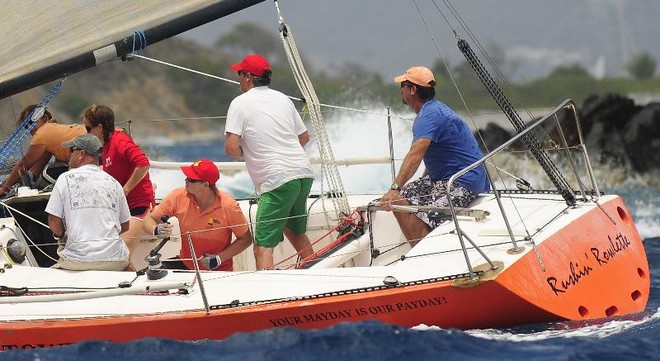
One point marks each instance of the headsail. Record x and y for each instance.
(67, 36)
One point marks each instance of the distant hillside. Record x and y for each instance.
(153, 96)
(143, 91)
(161, 102)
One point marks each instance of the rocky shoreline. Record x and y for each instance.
(620, 136)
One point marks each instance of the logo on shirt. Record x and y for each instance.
(211, 221)
(108, 162)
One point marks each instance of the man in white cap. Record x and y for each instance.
(446, 145)
(87, 211)
(264, 127)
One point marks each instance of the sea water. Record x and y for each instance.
(635, 337)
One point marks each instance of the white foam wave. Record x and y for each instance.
(603, 330)
(365, 134)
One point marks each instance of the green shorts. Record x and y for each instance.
(284, 206)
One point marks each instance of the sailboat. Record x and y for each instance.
(560, 250)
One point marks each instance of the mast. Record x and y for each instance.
(120, 48)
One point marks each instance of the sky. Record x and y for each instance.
(390, 35)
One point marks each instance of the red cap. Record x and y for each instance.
(254, 64)
(202, 169)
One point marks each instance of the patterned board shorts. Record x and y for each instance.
(425, 192)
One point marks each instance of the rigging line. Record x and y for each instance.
(474, 38)
(306, 87)
(10, 208)
(531, 141)
(467, 109)
(453, 80)
(236, 83)
(33, 245)
(170, 119)
(184, 68)
(469, 113)
(27, 124)
(449, 71)
(249, 223)
(485, 53)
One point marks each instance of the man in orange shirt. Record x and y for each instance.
(208, 215)
(47, 139)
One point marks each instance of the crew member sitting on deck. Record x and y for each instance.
(87, 211)
(208, 215)
(446, 145)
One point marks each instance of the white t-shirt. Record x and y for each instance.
(269, 126)
(93, 206)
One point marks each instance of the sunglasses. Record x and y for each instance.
(73, 149)
(190, 180)
(405, 84)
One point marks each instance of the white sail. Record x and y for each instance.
(64, 36)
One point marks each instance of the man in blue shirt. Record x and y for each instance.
(446, 144)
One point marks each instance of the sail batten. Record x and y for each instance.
(68, 36)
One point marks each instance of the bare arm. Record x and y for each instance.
(410, 164)
(56, 225)
(233, 145)
(135, 178)
(237, 246)
(34, 154)
(149, 223)
(303, 138)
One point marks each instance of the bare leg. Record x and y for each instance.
(132, 238)
(263, 257)
(412, 227)
(300, 242)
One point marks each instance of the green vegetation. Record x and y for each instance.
(153, 90)
(642, 66)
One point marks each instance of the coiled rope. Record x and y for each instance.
(328, 167)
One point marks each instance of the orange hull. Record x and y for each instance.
(602, 273)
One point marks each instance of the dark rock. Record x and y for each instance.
(493, 136)
(641, 135)
(607, 147)
(611, 110)
(618, 135)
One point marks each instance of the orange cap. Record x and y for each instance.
(418, 75)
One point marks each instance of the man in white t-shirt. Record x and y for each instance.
(264, 127)
(87, 211)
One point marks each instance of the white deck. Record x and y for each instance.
(439, 254)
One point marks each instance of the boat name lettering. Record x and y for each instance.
(619, 244)
(577, 271)
(572, 280)
(357, 312)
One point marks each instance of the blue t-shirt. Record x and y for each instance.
(452, 148)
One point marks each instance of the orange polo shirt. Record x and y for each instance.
(211, 230)
(52, 135)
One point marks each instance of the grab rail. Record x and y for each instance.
(567, 104)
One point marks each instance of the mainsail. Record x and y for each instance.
(66, 36)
